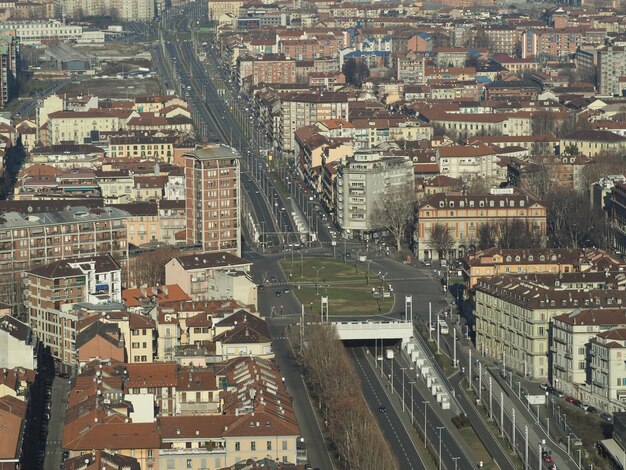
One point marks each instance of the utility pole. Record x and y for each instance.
(437, 326)
(469, 377)
(501, 414)
(526, 447)
(430, 324)
(454, 347)
(301, 328)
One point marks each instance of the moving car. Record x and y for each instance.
(382, 409)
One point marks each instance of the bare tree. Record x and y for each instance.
(543, 123)
(440, 239)
(487, 236)
(350, 426)
(395, 211)
(149, 268)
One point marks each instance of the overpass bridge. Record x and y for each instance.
(364, 330)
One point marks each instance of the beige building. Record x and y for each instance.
(513, 317)
(130, 10)
(213, 276)
(464, 215)
(159, 149)
(224, 7)
(592, 143)
(305, 109)
(573, 361)
(79, 127)
(608, 369)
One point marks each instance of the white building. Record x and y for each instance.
(364, 179)
(36, 32)
(18, 344)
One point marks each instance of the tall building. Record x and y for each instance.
(611, 66)
(361, 181)
(212, 198)
(9, 50)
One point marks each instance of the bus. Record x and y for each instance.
(443, 327)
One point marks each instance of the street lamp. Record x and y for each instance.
(412, 384)
(455, 459)
(403, 369)
(425, 403)
(440, 458)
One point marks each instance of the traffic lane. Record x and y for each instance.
(389, 422)
(449, 445)
(310, 429)
(54, 441)
(500, 456)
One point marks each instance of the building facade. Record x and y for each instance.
(212, 197)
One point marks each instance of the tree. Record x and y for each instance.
(487, 236)
(571, 149)
(355, 71)
(543, 123)
(394, 212)
(440, 239)
(149, 268)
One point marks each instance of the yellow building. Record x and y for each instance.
(79, 127)
(591, 143)
(463, 215)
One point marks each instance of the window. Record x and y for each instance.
(269, 445)
(285, 445)
(253, 445)
(237, 446)
(188, 463)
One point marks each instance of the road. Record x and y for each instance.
(54, 442)
(389, 421)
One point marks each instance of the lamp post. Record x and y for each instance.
(412, 384)
(403, 369)
(425, 403)
(455, 461)
(440, 457)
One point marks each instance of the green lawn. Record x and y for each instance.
(346, 286)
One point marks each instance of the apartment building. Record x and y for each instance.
(573, 336)
(592, 143)
(9, 54)
(361, 182)
(513, 316)
(273, 69)
(213, 276)
(157, 149)
(80, 127)
(64, 157)
(304, 109)
(31, 239)
(212, 195)
(469, 161)
(513, 261)
(52, 290)
(131, 10)
(611, 66)
(463, 215)
(608, 370)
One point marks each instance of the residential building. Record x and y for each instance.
(470, 161)
(463, 215)
(362, 182)
(273, 69)
(143, 224)
(213, 276)
(9, 57)
(133, 10)
(80, 127)
(212, 195)
(19, 347)
(242, 334)
(514, 261)
(611, 66)
(592, 143)
(52, 290)
(13, 422)
(31, 239)
(137, 332)
(571, 348)
(157, 149)
(513, 316)
(304, 109)
(607, 351)
(65, 157)
(39, 31)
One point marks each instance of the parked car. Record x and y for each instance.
(579, 404)
(544, 387)
(558, 393)
(287, 290)
(278, 294)
(546, 456)
(569, 399)
(591, 409)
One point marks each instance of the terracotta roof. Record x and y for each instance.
(605, 316)
(195, 427)
(152, 375)
(167, 293)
